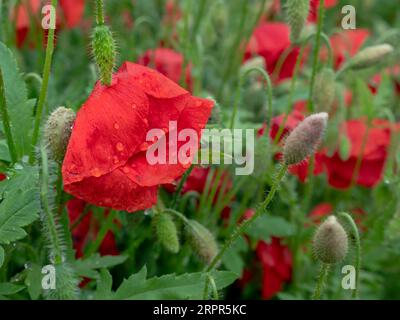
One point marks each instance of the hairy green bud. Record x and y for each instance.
(330, 241)
(202, 241)
(104, 52)
(296, 16)
(324, 89)
(58, 131)
(370, 56)
(166, 232)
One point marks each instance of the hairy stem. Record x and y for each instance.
(322, 276)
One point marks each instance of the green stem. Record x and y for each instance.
(210, 281)
(48, 218)
(321, 12)
(356, 238)
(323, 274)
(106, 226)
(43, 90)
(177, 195)
(99, 12)
(242, 227)
(6, 120)
(357, 166)
(239, 93)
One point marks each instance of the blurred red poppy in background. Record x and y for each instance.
(105, 163)
(29, 11)
(169, 63)
(270, 40)
(373, 155)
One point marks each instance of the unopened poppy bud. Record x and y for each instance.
(202, 241)
(370, 56)
(305, 138)
(256, 62)
(297, 12)
(166, 232)
(324, 89)
(104, 52)
(58, 131)
(330, 241)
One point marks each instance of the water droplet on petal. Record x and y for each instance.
(134, 106)
(186, 165)
(125, 169)
(96, 172)
(198, 103)
(115, 159)
(120, 146)
(165, 130)
(116, 126)
(146, 122)
(144, 146)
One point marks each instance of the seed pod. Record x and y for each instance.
(296, 16)
(166, 232)
(202, 241)
(305, 138)
(370, 56)
(104, 52)
(330, 241)
(58, 131)
(324, 89)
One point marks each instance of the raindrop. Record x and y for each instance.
(116, 126)
(96, 172)
(119, 146)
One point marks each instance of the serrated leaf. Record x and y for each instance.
(19, 205)
(104, 285)
(7, 288)
(171, 286)
(20, 109)
(33, 281)
(88, 266)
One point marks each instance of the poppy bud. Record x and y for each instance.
(297, 12)
(370, 56)
(166, 232)
(324, 89)
(256, 62)
(66, 287)
(330, 241)
(202, 241)
(104, 52)
(58, 131)
(305, 138)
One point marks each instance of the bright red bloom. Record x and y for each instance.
(340, 172)
(169, 63)
(30, 11)
(82, 233)
(314, 7)
(2, 176)
(105, 163)
(270, 40)
(346, 44)
(276, 260)
(320, 211)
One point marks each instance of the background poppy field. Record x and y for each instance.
(142, 232)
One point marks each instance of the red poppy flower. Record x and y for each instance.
(276, 260)
(82, 233)
(30, 11)
(340, 172)
(345, 44)
(320, 211)
(169, 63)
(314, 7)
(105, 163)
(270, 40)
(2, 176)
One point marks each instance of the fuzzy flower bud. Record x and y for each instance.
(297, 13)
(324, 89)
(58, 131)
(202, 241)
(104, 52)
(166, 232)
(370, 56)
(305, 138)
(330, 241)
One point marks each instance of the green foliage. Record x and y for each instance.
(14, 215)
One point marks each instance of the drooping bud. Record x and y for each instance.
(305, 138)
(330, 243)
(256, 62)
(104, 52)
(58, 131)
(324, 89)
(201, 240)
(166, 232)
(370, 56)
(296, 13)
